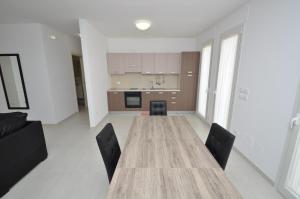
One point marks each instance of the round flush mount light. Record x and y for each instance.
(53, 37)
(143, 24)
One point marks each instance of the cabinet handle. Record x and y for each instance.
(115, 93)
(147, 93)
(190, 75)
(173, 93)
(190, 72)
(173, 97)
(160, 93)
(173, 102)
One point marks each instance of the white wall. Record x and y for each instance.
(26, 39)
(269, 68)
(46, 69)
(94, 49)
(60, 73)
(151, 44)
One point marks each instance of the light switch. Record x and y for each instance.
(243, 97)
(244, 91)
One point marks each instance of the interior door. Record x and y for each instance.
(204, 76)
(226, 78)
(289, 184)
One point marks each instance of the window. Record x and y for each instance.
(226, 72)
(204, 79)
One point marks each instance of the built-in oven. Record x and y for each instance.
(133, 99)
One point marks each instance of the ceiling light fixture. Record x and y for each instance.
(53, 37)
(143, 24)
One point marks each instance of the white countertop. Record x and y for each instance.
(144, 89)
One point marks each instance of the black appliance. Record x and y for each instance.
(133, 99)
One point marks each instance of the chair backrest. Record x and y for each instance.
(109, 148)
(158, 107)
(219, 143)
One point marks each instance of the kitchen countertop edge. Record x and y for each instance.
(143, 90)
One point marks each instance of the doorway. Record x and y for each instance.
(289, 184)
(79, 81)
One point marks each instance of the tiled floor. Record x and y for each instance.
(74, 168)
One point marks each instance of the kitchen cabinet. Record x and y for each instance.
(148, 63)
(186, 100)
(173, 63)
(115, 101)
(190, 63)
(161, 63)
(167, 63)
(169, 96)
(116, 63)
(133, 62)
(145, 63)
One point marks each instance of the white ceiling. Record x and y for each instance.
(115, 18)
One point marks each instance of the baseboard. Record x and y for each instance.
(254, 166)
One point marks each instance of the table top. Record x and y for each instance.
(164, 158)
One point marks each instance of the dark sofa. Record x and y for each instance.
(22, 147)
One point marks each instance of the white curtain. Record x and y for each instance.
(225, 79)
(293, 179)
(204, 80)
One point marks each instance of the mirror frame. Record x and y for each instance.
(22, 80)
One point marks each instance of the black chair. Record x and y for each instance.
(109, 148)
(219, 143)
(158, 107)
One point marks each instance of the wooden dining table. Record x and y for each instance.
(164, 158)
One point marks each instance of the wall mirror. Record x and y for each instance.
(13, 81)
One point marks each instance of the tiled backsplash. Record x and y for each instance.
(144, 81)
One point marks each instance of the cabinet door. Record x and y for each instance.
(146, 97)
(190, 62)
(148, 63)
(115, 63)
(133, 62)
(173, 63)
(188, 94)
(188, 81)
(172, 100)
(161, 63)
(115, 101)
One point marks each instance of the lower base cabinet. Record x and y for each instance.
(175, 101)
(116, 101)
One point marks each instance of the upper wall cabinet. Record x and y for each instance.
(133, 63)
(167, 63)
(174, 63)
(145, 63)
(115, 62)
(148, 63)
(161, 63)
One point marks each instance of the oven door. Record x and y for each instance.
(133, 99)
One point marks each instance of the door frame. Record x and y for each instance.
(290, 146)
(82, 77)
(208, 42)
(236, 30)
